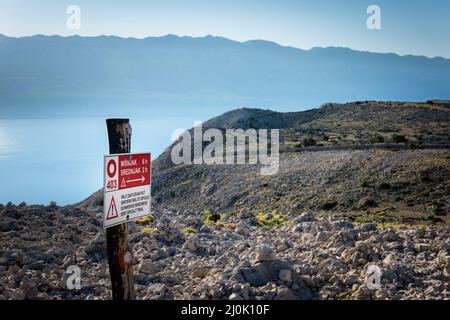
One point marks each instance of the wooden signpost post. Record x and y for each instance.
(126, 197)
(120, 256)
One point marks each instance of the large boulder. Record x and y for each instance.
(263, 272)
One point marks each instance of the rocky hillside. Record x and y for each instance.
(357, 125)
(368, 161)
(360, 186)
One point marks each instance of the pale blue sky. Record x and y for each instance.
(417, 27)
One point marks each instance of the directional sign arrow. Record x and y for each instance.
(141, 179)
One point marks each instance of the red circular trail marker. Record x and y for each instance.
(112, 168)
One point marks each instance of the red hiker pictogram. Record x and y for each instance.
(112, 211)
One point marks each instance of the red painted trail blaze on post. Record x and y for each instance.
(117, 244)
(126, 196)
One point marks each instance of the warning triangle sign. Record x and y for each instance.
(112, 211)
(123, 185)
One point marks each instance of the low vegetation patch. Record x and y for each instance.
(147, 230)
(275, 218)
(399, 138)
(145, 220)
(384, 186)
(189, 181)
(210, 218)
(309, 142)
(377, 139)
(230, 225)
(330, 205)
(189, 230)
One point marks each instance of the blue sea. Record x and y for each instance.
(43, 160)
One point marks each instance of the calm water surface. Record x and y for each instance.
(43, 160)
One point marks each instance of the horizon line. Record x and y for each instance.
(218, 37)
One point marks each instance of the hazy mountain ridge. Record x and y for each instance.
(53, 74)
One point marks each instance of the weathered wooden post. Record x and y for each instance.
(120, 257)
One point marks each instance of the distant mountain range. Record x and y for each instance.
(171, 75)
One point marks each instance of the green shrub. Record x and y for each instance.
(189, 230)
(275, 218)
(309, 142)
(145, 220)
(377, 139)
(399, 138)
(210, 218)
(147, 230)
(384, 186)
(329, 205)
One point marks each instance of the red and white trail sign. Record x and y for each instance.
(127, 184)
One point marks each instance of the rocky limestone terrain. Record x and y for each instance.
(405, 186)
(362, 124)
(190, 255)
(361, 187)
(384, 162)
